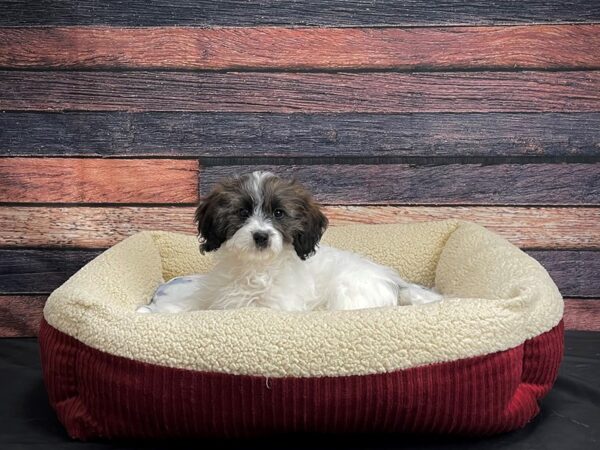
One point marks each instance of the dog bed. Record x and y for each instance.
(475, 363)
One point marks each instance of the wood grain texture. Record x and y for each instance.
(530, 47)
(387, 92)
(572, 270)
(20, 315)
(294, 12)
(37, 180)
(527, 227)
(92, 227)
(555, 136)
(40, 271)
(465, 184)
(582, 315)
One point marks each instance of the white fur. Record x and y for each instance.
(275, 277)
(332, 279)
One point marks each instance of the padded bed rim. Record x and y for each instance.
(100, 395)
(315, 342)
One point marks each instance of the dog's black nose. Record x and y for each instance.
(261, 239)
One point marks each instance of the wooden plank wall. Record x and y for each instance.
(117, 116)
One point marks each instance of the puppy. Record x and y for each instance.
(264, 232)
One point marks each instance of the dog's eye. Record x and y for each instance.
(244, 213)
(278, 213)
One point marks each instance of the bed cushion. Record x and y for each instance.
(476, 363)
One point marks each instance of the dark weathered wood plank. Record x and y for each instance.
(529, 47)
(582, 315)
(387, 92)
(93, 227)
(574, 271)
(36, 271)
(20, 315)
(294, 12)
(543, 135)
(40, 180)
(41, 271)
(467, 184)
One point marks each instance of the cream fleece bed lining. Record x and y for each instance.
(496, 298)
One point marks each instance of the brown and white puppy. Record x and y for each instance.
(264, 232)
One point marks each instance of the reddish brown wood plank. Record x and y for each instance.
(582, 315)
(87, 227)
(531, 47)
(31, 180)
(91, 227)
(459, 184)
(20, 315)
(527, 227)
(309, 92)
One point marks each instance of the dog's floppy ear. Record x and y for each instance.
(314, 224)
(212, 234)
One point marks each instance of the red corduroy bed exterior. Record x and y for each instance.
(99, 395)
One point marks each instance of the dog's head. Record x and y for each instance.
(258, 214)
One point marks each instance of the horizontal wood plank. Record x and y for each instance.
(36, 271)
(466, 184)
(574, 271)
(41, 180)
(528, 47)
(93, 227)
(20, 315)
(583, 315)
(555, 136)
(387, 92)
(527, 227)
(294, 12)
(40, 271)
